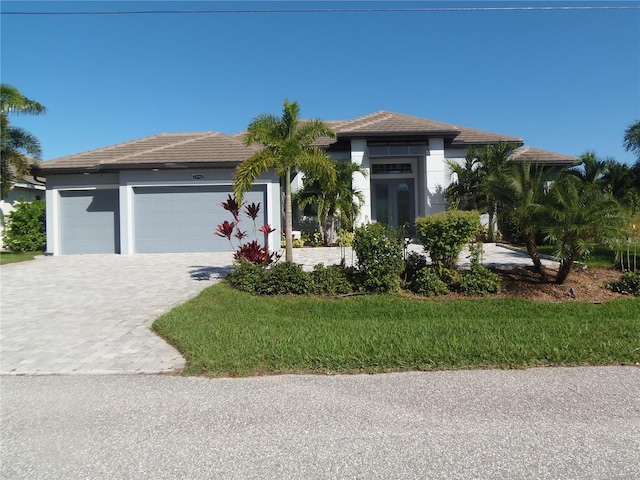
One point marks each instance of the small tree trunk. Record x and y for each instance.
(491, 226)
(288, 218)
(333, 226)
(566, 264)
(532, 250)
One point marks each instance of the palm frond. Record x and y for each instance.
(12, 101)
(250, 169)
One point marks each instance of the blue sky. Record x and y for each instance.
(565, 80)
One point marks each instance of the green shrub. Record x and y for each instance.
(412, 264)
(479, 281)
(286, 278)
(331, 280)
(345, 238)
(445, 234)
(379, 251)
(25, 227)
(629, 284)
(427, 282)
(247, 276)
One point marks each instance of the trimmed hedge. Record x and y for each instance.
(445, 234)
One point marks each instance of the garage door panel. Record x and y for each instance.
(89, 221)
(183, 219)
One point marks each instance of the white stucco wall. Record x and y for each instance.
(362, 183)
(436, 180)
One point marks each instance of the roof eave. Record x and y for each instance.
(403, 134)
(114, 168)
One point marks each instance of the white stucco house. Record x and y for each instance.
(163, 193)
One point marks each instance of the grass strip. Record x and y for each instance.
(227, 332)
(15, 257)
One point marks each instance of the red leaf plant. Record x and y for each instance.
(252, 211)
(232, 206)
(225, 230)
(266, 229)
(250, 251)
(255, 253)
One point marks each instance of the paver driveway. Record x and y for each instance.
(92, 313)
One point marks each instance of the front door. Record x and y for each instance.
(394, 202)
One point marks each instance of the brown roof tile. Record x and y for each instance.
(471, 136)
(200, 147)
(537, 155)
(385, 123)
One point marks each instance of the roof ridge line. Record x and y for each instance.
(367, 118)
(198, 136)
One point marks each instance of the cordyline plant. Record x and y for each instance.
(250, 251)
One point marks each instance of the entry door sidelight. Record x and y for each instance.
(394, 202)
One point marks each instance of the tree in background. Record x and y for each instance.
(286, 147)
(465, 193)
(18, 148)
(591, 168)
(520, 191)
(335, 201)
(631, 141)
(472, 187)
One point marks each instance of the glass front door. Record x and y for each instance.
(394, 202)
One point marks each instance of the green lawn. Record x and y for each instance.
(226, 332)
(600, 257)
(14, 257)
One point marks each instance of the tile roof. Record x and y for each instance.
(390, 123)
(537, 155)
(471, 136)
(219, 149)
(384, 123)
(162, 149)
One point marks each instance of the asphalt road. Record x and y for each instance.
(546, 423)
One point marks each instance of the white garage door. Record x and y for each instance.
(89, 221)
(184, 219)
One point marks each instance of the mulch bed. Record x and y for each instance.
(587, 285)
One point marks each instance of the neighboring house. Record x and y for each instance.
(163, 193)
(28, 189)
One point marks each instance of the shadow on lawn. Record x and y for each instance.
(200, 272)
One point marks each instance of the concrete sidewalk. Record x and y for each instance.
(92, 313)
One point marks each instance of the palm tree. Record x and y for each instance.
(580, 215)
(337, 201)
(286, 147)
(465, 193)
(591, 168)
(520, 190)
(632, 139)
(18, 148)
(494, 160)
(618, 180)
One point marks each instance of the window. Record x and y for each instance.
(398, 149)
(393, 168)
